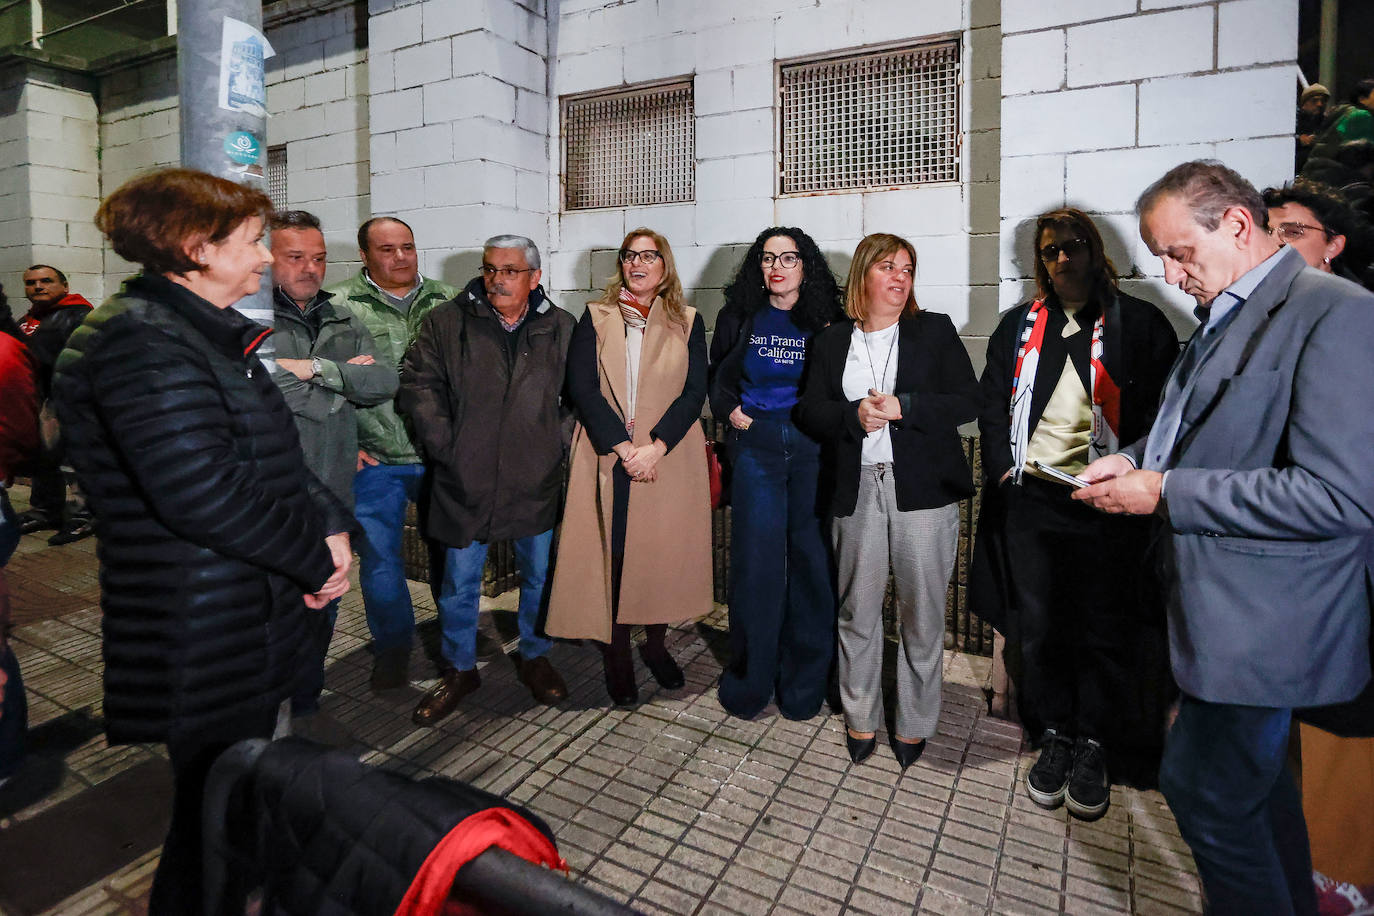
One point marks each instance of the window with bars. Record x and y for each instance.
(870, 121)
(629, 148)
(276, 175)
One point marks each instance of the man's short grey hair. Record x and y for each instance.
(515, 241)
(1209, 189)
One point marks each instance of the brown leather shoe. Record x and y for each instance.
(544, 683)
(443, 697)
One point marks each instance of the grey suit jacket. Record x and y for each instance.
(1270, 499)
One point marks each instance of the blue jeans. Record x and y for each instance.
(1224, 776)
(462, 589)
(380, 494)
(782, 597)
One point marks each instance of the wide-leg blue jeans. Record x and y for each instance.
(782, 597)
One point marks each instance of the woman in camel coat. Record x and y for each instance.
(635, 546)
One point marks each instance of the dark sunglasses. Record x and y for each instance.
(1071, 249)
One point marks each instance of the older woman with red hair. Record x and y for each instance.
(215, 541)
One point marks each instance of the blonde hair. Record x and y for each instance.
(669, 288)
(871, 250)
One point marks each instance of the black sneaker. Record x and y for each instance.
(1090, 791)
(1047, 780)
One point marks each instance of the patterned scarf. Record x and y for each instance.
(635, 314)
(1106, 396)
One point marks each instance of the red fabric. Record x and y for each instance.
(474, 835)
(18, 408)
(33, 319)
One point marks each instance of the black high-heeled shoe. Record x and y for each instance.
(663, 668)
(907, 752)
(860, 749)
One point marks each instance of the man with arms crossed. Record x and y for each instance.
(1259, 461)
(326, 366)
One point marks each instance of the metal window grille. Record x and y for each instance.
(629, 148)
(871, 121)
(276, 175)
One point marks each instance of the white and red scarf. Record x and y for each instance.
(1106, 396)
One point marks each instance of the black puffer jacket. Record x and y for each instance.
(210, 526)
(326, 835)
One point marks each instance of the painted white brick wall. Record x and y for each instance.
(459, 141)
(1141, 87)
(730, 50)
(49, 177)
(317, 96)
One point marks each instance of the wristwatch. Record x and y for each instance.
(315, 367)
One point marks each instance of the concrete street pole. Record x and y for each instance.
(220, 78)
(1326, 54)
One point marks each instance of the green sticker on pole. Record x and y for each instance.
(243, 148)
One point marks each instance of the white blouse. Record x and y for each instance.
(872, 363)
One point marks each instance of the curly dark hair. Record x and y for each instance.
(818, 303)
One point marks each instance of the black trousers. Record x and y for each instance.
(618, 649)
(178, 885)
(1071, 589)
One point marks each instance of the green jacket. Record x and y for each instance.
(382, 432)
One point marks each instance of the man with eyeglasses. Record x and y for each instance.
(390, 297)
(1258, 464)
(483, 384)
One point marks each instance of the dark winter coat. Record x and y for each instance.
(937, 390)
(48, 333)
(210, 526)
(1139, 346)
(487, 411)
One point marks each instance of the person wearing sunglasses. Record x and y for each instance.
(635, 547)
(1068, 376)
(782, 600)
(1314, 220)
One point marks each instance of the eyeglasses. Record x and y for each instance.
(787, 260)
(505, 273)
(1071, 248)
(1291, 232)
(647, 257)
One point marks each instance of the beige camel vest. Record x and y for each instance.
(667, 573)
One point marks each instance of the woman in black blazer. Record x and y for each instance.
(885, 394)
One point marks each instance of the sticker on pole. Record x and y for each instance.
(242, 148)
(242, 76)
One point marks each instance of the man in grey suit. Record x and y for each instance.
(1259, 462)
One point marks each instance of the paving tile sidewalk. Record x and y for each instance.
(673, 807)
